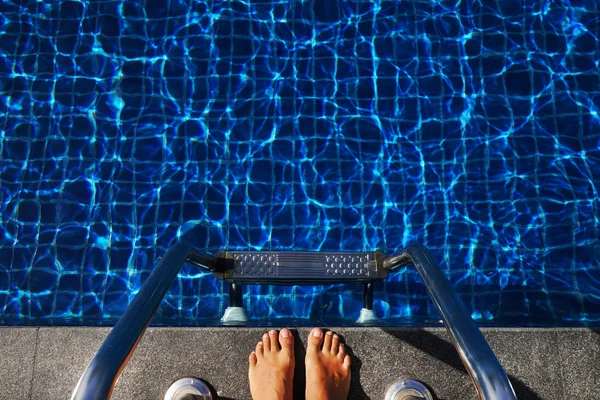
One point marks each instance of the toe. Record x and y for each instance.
(259, 349)
(335, 344)
(327, 344)
(273, 339)
(266, 343)
(286, 340)
(341, 353)
(315, 339)
(252, 359)
(347, 362)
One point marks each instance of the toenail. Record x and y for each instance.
(265, 336)
(329, 333)
(285, 333)
(341, 344)
(336, 337)
(272, 332)
(260, 343)
(317, 333)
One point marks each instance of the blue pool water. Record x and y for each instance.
(471, 127)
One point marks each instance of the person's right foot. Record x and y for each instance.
(327, 367)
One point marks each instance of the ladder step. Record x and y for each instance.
(289, 267)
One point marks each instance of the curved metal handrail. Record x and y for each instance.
(100, 376)
(488, 375)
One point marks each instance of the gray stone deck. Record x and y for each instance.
(45, 363)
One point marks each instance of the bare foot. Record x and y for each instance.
(327, 368)
(272, 367)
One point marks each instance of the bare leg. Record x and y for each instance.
(327, 367)
(271, 371)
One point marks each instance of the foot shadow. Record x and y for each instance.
(444, 351)
(300, 368)
(356, 390)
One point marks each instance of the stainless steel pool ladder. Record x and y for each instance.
(100, 376)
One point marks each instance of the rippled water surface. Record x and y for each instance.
(471, 127)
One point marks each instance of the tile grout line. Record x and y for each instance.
(35, 351)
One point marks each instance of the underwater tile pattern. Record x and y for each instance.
(471, 127)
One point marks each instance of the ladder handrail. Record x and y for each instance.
(489, 377)
(100, 376)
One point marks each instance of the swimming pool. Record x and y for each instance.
(471, 127)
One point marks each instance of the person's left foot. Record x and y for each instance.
(272, 367)
(327, 367)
